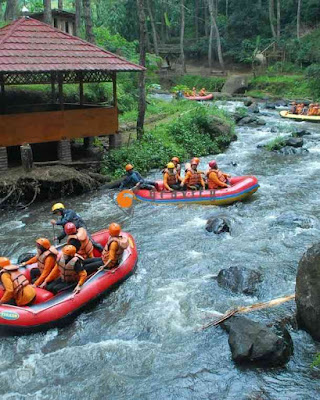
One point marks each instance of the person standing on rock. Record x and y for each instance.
(68, 215)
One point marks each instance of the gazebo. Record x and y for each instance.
(32, 52)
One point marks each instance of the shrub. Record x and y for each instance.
(276, 144)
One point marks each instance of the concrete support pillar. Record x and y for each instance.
(64, 151)
(3, 159)
(88, 142)
(26, 157)
(115, 141)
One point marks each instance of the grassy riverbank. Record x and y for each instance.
(192, 130)
(280, 86)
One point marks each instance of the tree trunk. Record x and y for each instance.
(205, 12)
(271, 18)
(60, 4)
(278, 19)
(298, 19)
(227, 8)
(196, 21)
(210, 47)
(183, 61)
(78, 17)
(214, 27)
(153, 27)
(47, 15)
(11, 11)
(142, 78)
(88, 20)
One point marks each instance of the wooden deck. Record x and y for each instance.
(51, 126)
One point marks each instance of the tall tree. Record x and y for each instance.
(88, 20)
(47, 15)
(78, 17)
(214, 30)
(11, 11)
(196, 19)
(60, 4)
(278, 19)
(182, 26)
(298, 18)
(153, 28)
(142, 76)
(271, 18)
(227, 8)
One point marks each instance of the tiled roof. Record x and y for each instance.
(28, 45)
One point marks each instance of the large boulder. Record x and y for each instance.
(294, 142)
(254, 343)
(291, 219)
(254, 108)
(221, 96)
(236, 84)
(251, 120)
(239, 279)
(308, 291)
(300, 133)
(218, 127)
(218, 225)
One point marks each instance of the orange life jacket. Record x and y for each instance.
(19, 281)
(195, 178)
(67, 272)
(86, 248)
(123, 243)
(220, 176)
(172, 178)
(43, 256)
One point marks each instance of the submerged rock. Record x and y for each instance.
(247, 101)
(308, 292)
(239, 279)
(292, 220)
(288, 150)
(254, 343)
(218, 225)
(270, 106)
(251, 120)
(300, 133)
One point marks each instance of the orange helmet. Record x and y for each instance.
(45, 243)
(196, 160)
(129, 167)
(114, 229)
(69, 250)
(4, 262)
(176, 159)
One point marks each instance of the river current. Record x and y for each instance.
(142, 342)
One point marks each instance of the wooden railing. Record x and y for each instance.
(51, 126)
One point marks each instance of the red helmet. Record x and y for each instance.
(213, 164)
(70, 228)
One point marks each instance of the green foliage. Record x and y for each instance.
(316, 361)
(243, 111)
(287, 86)
(312, 78)
(192, 133)
(180, 88)
(283, 67)
(212, 84)
(276, 144)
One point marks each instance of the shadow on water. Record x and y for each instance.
(142, 341)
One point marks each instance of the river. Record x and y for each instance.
(143, 340)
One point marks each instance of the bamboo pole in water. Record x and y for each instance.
(245, 309)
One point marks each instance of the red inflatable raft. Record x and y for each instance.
(200, 98)
(241, 188)
(49, 310)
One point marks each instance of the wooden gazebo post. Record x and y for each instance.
(64, 146)
(115, 141)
